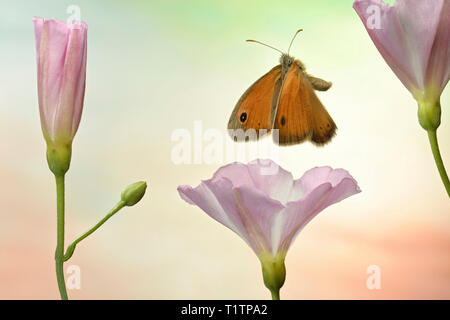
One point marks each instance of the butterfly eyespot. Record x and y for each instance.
(283, 121)
(243, 117)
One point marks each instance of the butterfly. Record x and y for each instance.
(283, 101)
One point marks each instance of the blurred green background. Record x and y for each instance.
(158, 66)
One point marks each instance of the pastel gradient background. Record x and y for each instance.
(154, 67)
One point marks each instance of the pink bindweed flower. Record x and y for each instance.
(268, 210)
(61, 68)
(413, 36)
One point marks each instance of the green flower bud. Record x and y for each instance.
(134, 193)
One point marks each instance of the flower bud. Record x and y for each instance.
(61, 53)
(134, 193)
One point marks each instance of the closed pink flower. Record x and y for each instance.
(61, 64)
(268, 211)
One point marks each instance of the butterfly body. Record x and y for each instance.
(284, 100)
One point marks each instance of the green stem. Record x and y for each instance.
(71, 248)
(438, 159)
(275, 294)
(59, 253)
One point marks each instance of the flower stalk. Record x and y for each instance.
(58, 159)
(130, 196)
(72, 246)
(59, 252)
(429, 114)
(438, 159)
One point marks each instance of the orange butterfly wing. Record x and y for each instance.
(300, 115)
(294, 115)
(255, 108)
(324, 128)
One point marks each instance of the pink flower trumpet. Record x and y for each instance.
(268, 208)
(61, 68)
(413, 36)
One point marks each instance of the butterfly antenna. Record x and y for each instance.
(292, 41)
(265, 45)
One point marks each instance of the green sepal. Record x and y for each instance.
(58, 158)
(274, 272)
(429, 114)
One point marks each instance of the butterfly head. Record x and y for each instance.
(286, 61)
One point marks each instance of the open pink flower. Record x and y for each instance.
(61, 65)
(413, 36)
(268, 210)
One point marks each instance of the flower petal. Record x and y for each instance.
(404, 35)
(38, 26)
(438, 70)
(206, 200)
(258, 214)
(270, 178)
(264, 175)
(246, 211)
(322, 187)
(52, 52)
(235, 172)
(298, 214)
(314, 177)
(70, 106)
(61, 59)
